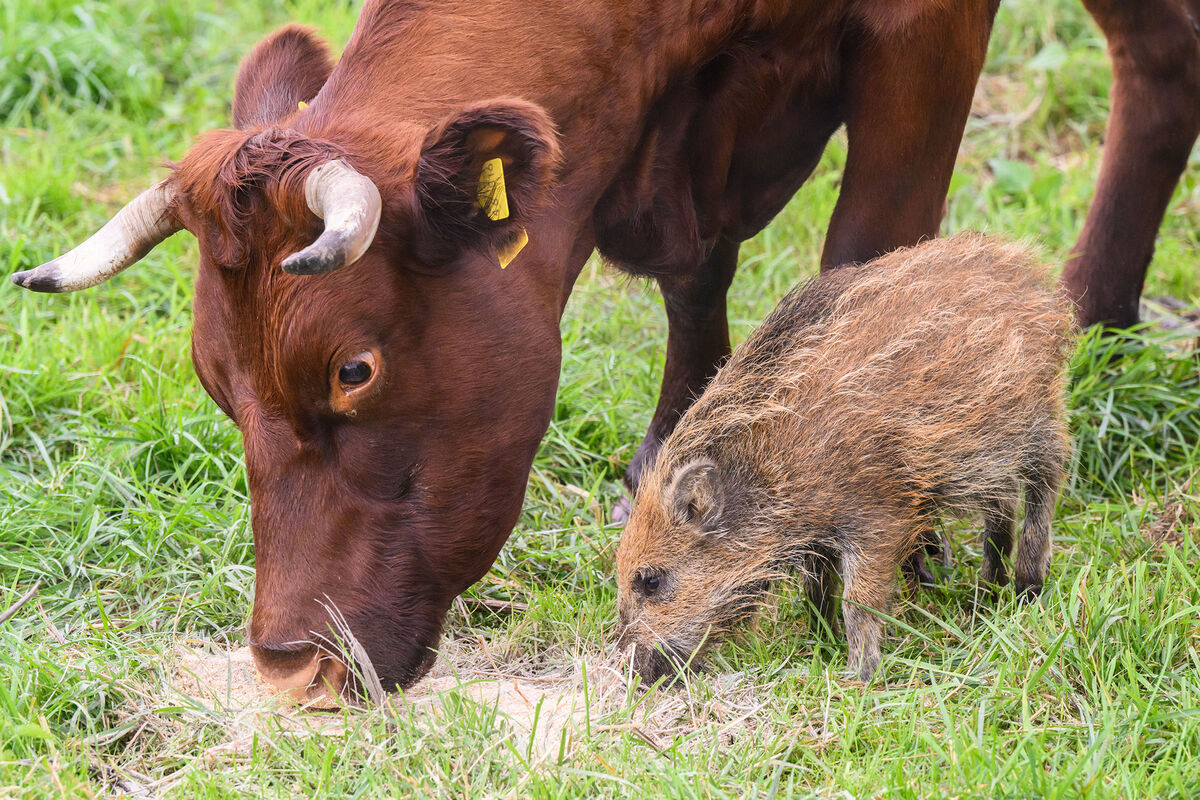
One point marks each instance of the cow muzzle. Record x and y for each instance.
(303, 671)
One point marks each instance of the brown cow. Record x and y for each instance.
(392, 404)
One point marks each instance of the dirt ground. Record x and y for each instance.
(544, 711)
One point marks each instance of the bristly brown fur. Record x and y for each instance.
(871, 401)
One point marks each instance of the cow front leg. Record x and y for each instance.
(697, 345)
(1153, 124)
(907, 102)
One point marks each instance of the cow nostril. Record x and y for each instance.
(331, 679)
(288, 666)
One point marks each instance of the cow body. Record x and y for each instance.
(391, 408)
(677, 133)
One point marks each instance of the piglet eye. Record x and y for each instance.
(647, 583)
(354, 373)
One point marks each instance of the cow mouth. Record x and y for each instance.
(303, 672)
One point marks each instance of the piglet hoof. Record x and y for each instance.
(917, 574)
(1028, 591)
(864, 676)
(620, 511)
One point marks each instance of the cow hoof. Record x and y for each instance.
(620, 512)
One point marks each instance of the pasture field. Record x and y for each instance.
(122, 491)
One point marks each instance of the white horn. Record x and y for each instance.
(125, 239)
(350, 204)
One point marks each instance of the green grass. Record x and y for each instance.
(122, 490)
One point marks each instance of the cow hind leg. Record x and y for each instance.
(1155, 118)
(697, 345)
(906, 105)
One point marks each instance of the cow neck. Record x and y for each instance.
(595, 66)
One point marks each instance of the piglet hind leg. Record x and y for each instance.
(1033, 551)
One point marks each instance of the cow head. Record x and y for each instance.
(390, 381)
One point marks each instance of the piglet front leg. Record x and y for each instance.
(867, 584)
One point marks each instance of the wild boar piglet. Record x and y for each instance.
(872, 401)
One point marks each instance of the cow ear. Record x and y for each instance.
(283, 70)
(483, 172)
(697, 496)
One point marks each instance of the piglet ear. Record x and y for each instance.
(483, 173)
(697, 496)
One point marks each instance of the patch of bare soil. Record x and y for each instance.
(545, 710)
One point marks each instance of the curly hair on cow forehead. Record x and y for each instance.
(228, 174)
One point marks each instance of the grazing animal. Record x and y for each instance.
(870, 402)
(392, 382)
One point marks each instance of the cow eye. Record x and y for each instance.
(353, 381)
(354, 373)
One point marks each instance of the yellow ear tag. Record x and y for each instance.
(493, 197)
(302, 105)
(507, 254)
